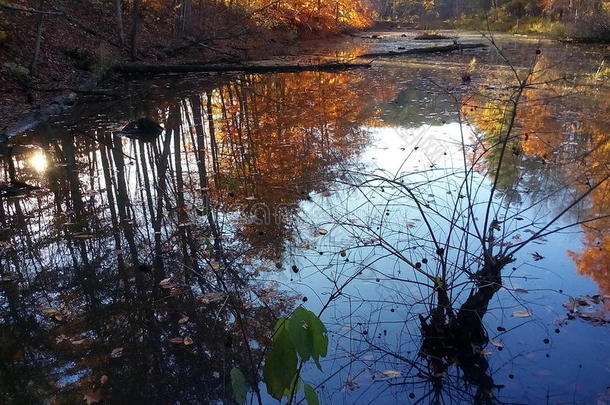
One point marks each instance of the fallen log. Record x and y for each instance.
(146, 68)
(423, 51)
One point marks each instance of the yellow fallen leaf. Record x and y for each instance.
(322, 231)
(188, 341)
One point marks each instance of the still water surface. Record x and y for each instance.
(143, 271)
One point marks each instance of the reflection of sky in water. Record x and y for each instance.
(66, 377)
(387, 309)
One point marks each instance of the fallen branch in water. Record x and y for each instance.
(423, 51)
(144, 68)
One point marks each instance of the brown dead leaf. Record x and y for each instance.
(188, 341)
(49, 311)
(93, 397)
(184, 319)
(212, 297)
(116, 353)
(103, 379)
(177, 340)
(496, 343)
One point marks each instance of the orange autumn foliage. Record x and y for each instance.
(279, 140)
(312, 15)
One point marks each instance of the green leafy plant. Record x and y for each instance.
(296, 340)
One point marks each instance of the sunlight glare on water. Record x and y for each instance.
(39, 161)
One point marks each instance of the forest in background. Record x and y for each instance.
(51, 46)
(580, 20)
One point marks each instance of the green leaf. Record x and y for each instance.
(239, 385)
(280, 367)
(299, 328)
(308, 335)
(310, 395)
(320, 339)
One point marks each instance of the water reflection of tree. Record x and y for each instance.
(303, 125)
(559, 151)
(130, 237)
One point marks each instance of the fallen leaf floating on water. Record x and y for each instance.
(177, 340)
(537, 256)
(116, 353)
(49, 311)
(53, 313)
(165, 282)
(521, 291)
(212, 297)
(496, 343)
(351, 385)
(322, 231)
(387, 374)
(522, 314)
(93, 397)
(103, 379)
(188, 341)
(590, 308)
(184, 319)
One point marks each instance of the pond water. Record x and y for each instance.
(145, 270)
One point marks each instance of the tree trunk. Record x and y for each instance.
(39, 21)
(135, 27)
(186, 17)
(119, 22)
